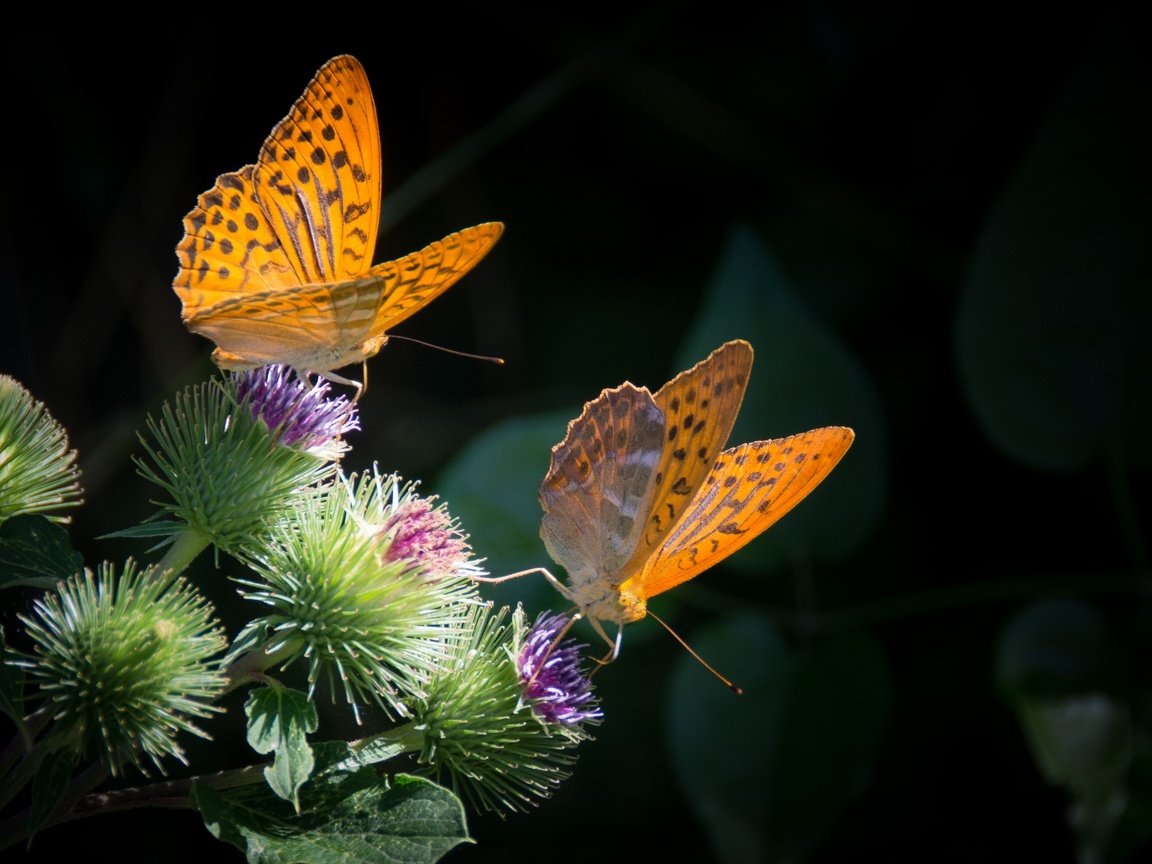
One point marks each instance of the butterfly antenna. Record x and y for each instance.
(697, 657)
(499, 361)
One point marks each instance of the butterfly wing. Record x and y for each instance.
(325, 327)
(598, 488)
(229, 248)
(414, 281)
(700, 407)
(275, 258)
(749, 489)
(306, 213)
(315, 328)
(318, 177)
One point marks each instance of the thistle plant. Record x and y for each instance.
(38, 472)
(236, 456)
(356, 579)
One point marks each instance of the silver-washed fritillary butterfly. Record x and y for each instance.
(275, 263)
(639, 497)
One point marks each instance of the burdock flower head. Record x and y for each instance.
(553, 676)
(473, 724)
(417, 534)
(298, 414)
(125, 662)
(235, 456)
(369, 583)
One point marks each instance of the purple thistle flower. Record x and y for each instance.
(424, 537)
(552, 677)
(300, 414)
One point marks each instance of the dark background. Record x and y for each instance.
(870, 153)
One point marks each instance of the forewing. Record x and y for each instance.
(306, 213)
(598, 488)
(318, 177)
(751, 487)
(700, 408)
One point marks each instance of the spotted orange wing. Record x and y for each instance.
(699, 407)
(319, 176)
(305, 213)
(749, 489)
(274, 265)
(414, 281)
(323, 327)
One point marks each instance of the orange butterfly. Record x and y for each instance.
(275, 263)
(639, 497)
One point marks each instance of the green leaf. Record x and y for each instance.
(48, 786)
(1057, 665)
(36, 553)
(279, 721)
(1082, 742)
(768, 772)
(1055, 648)
(803, 377)
(491, 487)
(344, 819)
(1055, 324)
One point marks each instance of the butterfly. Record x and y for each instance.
(639, 497)
(275, 262)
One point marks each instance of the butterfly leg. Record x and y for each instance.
(556, 583)
(552, 647)
(340, 379)
(613, 644)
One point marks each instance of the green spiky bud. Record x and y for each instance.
(38, 472)
(125, 663)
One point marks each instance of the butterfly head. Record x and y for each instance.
(370, 348)
(599, 600)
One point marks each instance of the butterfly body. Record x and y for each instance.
(276, 258)
(640, 496)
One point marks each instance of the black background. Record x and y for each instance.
(619, 150)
